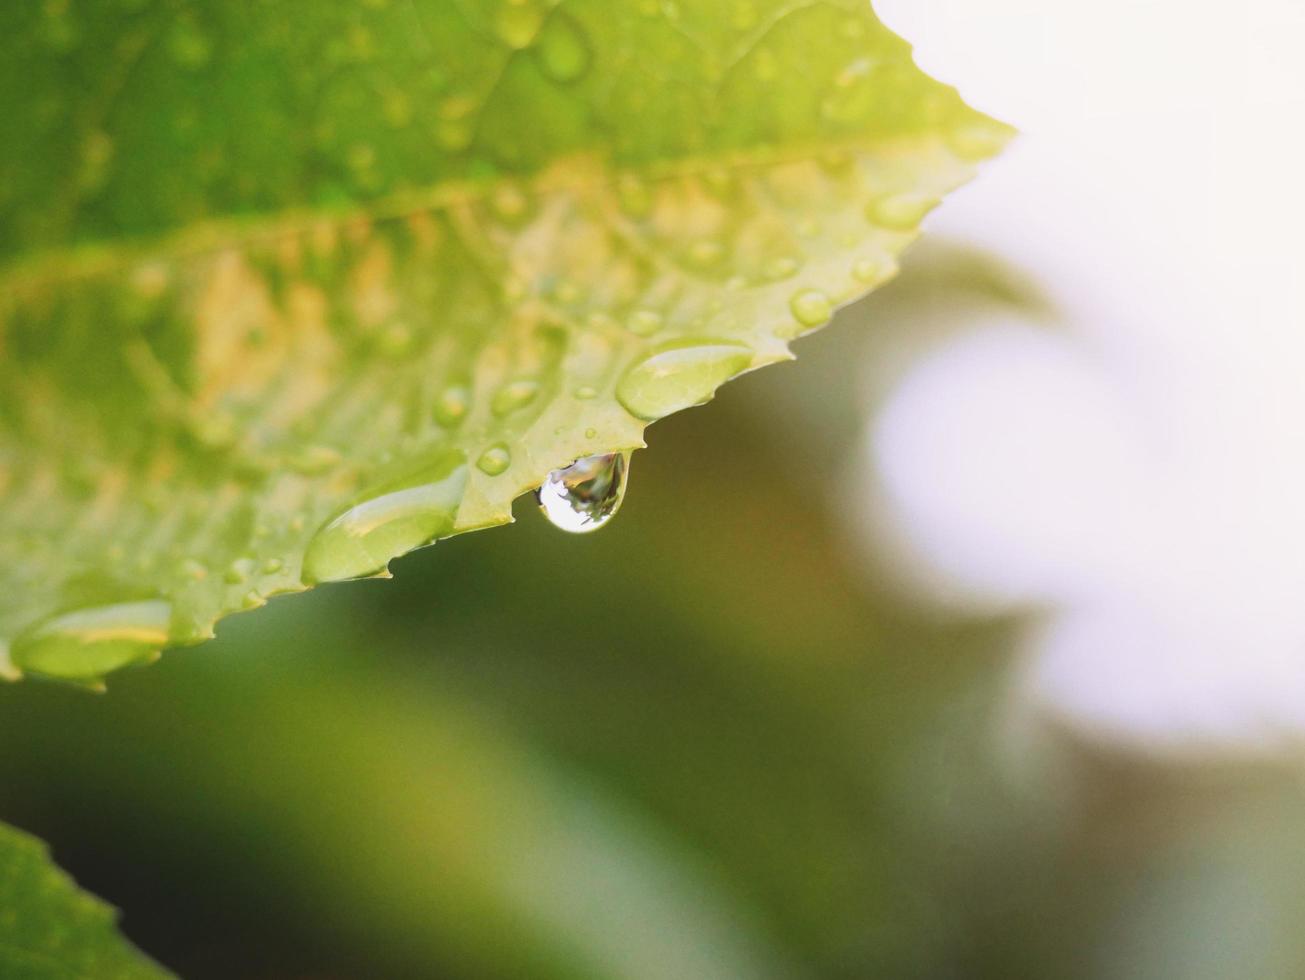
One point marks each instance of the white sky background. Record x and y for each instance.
(1143, 473)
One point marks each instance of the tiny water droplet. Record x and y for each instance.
(86, 644)
(272, 566)
(451, 406)
(811, 307)
(584, 496)
(563, 51)
(586, 392)
(680, 375)
(238, 571)
(591, 433)
(645, 323)
(512, 396)
(495, 460)
(390, 519)
(900, 212)
(872, 271)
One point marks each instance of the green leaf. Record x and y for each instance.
(49, 929)
(371, 270)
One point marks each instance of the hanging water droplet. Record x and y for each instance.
(680, 375)
(811, 308)
(495, 460)
(86, 644)
(390, 519)
(584, 496)
(563, 51)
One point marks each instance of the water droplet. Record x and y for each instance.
(272, 566)
(900, 212)
(586, 392)
(518, 22)
(451, 406)
(678, 376)
(495, 460)
(239, 571)
(390, 519)
(584, 496)
(512, 396)
(872, 271)
(86, 644)
(563, 50)
(811, 307)
(591, 433)
(645, 323)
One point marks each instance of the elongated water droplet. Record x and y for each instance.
(512, 396)
(678, 376)
(392, 518)
(584, 496)
(86, 644)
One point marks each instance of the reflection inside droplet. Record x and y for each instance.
(584, 496)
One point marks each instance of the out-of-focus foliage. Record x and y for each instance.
(51, 931)
(289, 290)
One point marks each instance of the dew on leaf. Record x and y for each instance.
(495, 460)
(389, 520)
(451, 405)
(872, 271)
(85, 644)
(512, 396)
(584, 496)
(811, 307)
(679, 376)
(900, 212)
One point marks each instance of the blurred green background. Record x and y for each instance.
(702, 743)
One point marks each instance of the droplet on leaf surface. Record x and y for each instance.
(679, 376)
(393, 518)
(85, 644)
